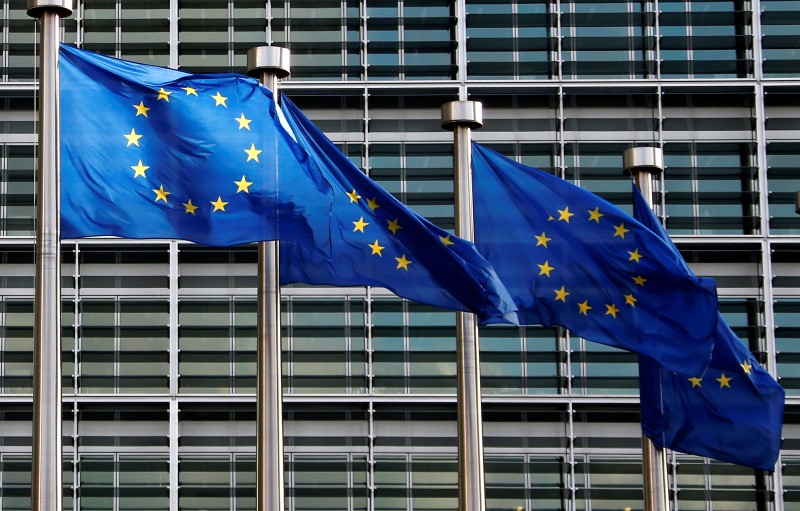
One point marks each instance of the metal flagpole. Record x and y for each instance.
(642, 163)
(269, 64)
(461, 117)
(46, 460)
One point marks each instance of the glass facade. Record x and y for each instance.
(159, 341)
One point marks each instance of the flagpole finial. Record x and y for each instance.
(648, 159)
(462, 113)
(269, 58)
(62, 7)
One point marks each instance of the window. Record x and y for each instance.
(510, 40)
(124, 346)
(326, 350)
(705, 39)
(778, 28)
(124, 482)
(606, 39)
(711, 188)
(217, 346)
(410, 39)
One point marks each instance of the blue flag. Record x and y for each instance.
(377, 241)
(572, 259)
(733, 411)
(149, 152)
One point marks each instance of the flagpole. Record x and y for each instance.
(46, 487)
(269, 64)
(643, 163)
(462, 117)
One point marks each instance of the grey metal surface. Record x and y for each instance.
(269, 63)
(462, 113)
(643, 163)
(46, 474)
(269, 420)
(462, 116)
(648, 159)
(270, 59)
(62, 7)
(654, 467)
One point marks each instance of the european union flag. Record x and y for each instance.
(732, 411)
(149, 152)
(377, 241)
(570, 258)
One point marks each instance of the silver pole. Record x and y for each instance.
(461, 117)
(269, 64)
(46, 459)
(642, 163)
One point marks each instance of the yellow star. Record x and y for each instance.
(564, 214)
(252, 153)
(584, 307)
(620, 230)
(561, 294)
(394, 226)
(360, 224)
(545, 268)
(219, 204)
(162, 94)
(190, 208)
(631, 300)
(376, 248)
(220, 99)
(373, 204)
(639, 280)
(141, 109)
(696, 382)
(139, 170)
(595, 214)
(244, 122)
(353, 196)
(190, 91)
(635, 255)
(746, 366)
(550, 218)
(161, 194)
(542, 239)
(446, 240)
(724, 381)
(243, 185)
(402, 262)
(133, 138)
(611, 310)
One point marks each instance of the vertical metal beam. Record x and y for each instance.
(461, 57)
(173, 34)
(46, 477)
(462, 117)
(642, 163)
(269, 64)
(174, 389)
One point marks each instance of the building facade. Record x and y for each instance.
(159, 336)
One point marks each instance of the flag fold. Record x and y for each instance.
(150, 152)
(570, 258)
(378, 241)
(732, 411)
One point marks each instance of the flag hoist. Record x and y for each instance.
(269, 64)
(462, 117)
(642, 163)
(46, 461)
